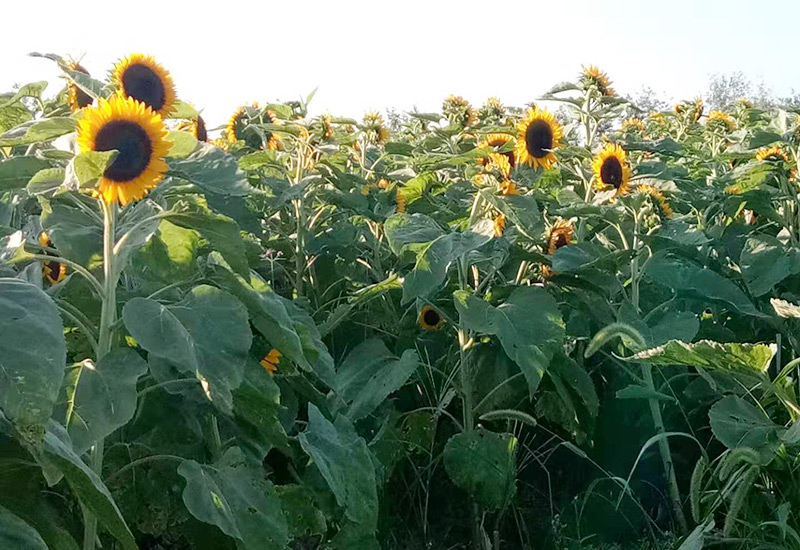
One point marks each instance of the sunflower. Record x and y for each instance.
(698, 108)
(196, 127)
(499, 225)
(538, 134)
(744, 103)
(497, 141)
(141, 77)
(492, 109)
(560, 235)
(592, 76)
(271, 360)
(77, 99)
(459, 111)
(774, 153)
(656, 117)
(718, 118)
(508, 187)
(632, 124)
(138, 134)
(400, 203)
(383, 183)
(429, 319)
(610, 168)
(327, 126)
(646, 189)
(51, 270)
(376, 130)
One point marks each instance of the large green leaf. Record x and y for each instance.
(16, 172)
(77, 232)
(302, 516)
(35, 131)
(16, 534)
(100, 398)
(710, 355)
(528, 325)
(220, 231)
(521, 210)
(211, 169)
(257, 409)
(235, 496)
(344, 461)
(683, 276)
(410, 232)
(206, 335)
(765, 262)
(484, 464)
(737, 423)
(287, 328)
(57, 458)
(370, 373)
(32, 353)
(434, 259)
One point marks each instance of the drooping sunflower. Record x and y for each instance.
(774, 153)
(610, 168)
(375, 129)
(633, 124)
(508, 187)
(744, 103)
(271, 360)
(656, 117)
(138, 134)
(77, 99)
(401, 202)
(459, 111)
(139, 76)
(592, 76)
(499, 225)
(327, 126)
(560, 235)
(663, 203)
(429, 319)
(493, 109)
(498, 142)
(721, 119)
(53, 271)
(196, 127)
(538, 135)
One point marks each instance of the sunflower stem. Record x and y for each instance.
(108, 316)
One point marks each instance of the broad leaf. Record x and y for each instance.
(32, 353)
(765, 262)
(737, 423)
(212, 170)
(16, 172)
(710, 355)
(16, 534)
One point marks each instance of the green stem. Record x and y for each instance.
(108, 316)
(635, 263)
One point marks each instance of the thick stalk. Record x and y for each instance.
(655, 407)
(299, 251)
(108, 317)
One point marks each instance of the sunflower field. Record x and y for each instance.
(571, 325)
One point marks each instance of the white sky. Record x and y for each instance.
(379, 54)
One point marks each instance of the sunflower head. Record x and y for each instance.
(508, 187)
(633, 125)
(499, 225)
(592, 76)
(744, 103)
(327, 126)
(538, 134)
(77, 99)
(138, 134)
(774, 153)
(196, 127)
(383, 184)
(720, 120)
(142, 78)
(459, 111)
(492, 110)
(560, 235)
(401, 202)
(656, 117)
(54, 272)
(430, 319)
(498, 142)
(663, 203)
(610, 168)
(271, 360)
(375, 129)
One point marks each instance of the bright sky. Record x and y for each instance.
(379, 54)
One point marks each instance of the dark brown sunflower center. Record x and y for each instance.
(539, 138)
(561, 240)
(82, 98)
(200, 132)
(611, 172)
(431, 318)
(140, 82)
(52, 269)
(133, 144)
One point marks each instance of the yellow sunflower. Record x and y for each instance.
(459, 111)
(610, 168)
(138, 134)
(53, 271)
(141, 77)
(774, 153)
(499, 225)
(657, 117)
(538, 135)
(592, 76)
(508, 187)
(429, 319)
(327, 126)
(376, 130)
(77, 99)
(663, 203)
(721, 118)
(196, 127)
(633, 124)
(271, 360)
(493, 108)
(498, 141)
(560, 235)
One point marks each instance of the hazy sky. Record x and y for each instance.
(378, 54)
